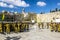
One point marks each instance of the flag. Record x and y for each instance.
(3, 16)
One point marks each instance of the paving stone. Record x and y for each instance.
(42, 34)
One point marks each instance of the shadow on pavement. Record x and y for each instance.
(12, 38)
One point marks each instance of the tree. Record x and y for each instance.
(59, 9)
(56, 9)
(42, 13)
(50, 10)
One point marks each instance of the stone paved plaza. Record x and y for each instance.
(41, 34)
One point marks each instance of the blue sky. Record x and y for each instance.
(36, 6)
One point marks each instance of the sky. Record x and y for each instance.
(36, 6)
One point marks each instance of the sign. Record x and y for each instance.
(33, 21)
(57, 20)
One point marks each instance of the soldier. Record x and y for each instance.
(42, 25)
(58, 27)
(55, 27)
(7, 27)
(39, 25)
(27, 27)
(18, 26)
(0, 27)
(15, 27)
(22, 27)
(51, 27)
(47, 25)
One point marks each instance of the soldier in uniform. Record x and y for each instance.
(14, 25)
(55, 26)
(51, 26)
(42, 26)
(7, 25)
(39, 25)
(58, 27)
(47, 25)
(0, 28)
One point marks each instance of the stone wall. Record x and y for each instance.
(47, 17)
